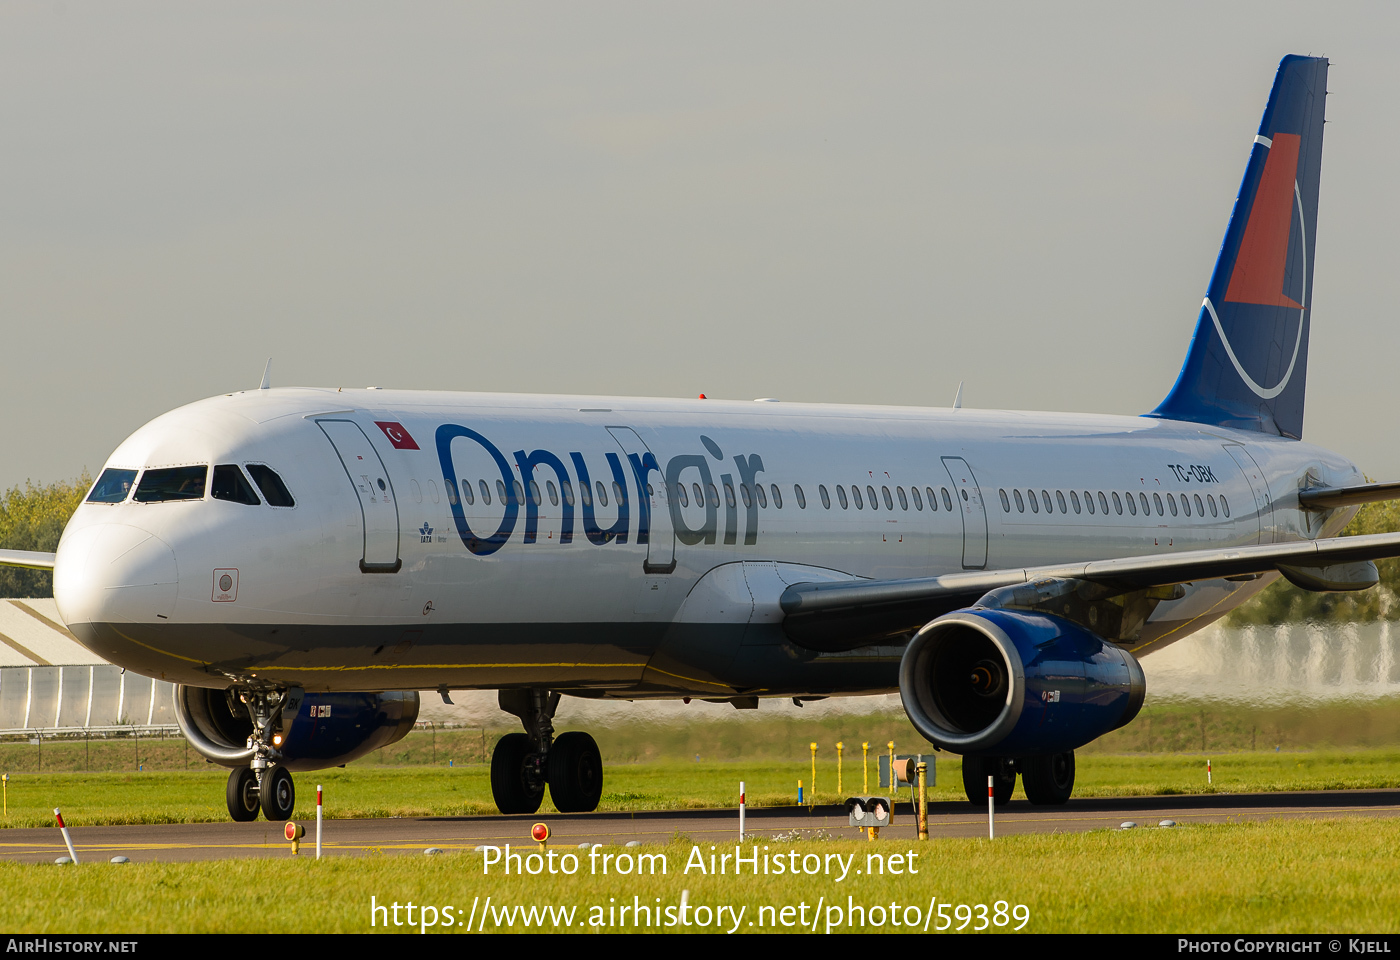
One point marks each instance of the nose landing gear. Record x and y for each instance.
(523, 764)
(264, 784)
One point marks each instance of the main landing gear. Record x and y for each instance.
(1048, 779)
(523, 764)
(263, 785)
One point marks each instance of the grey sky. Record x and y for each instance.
(858, 202)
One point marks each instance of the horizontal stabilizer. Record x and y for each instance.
(1329, 498)
(32, 559)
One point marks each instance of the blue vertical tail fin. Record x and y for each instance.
(1248, 362)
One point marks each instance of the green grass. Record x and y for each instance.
(1277, 877)
(370, 790)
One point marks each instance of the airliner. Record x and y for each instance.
(301, 561)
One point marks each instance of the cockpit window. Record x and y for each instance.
(230, 484)
(172, 483)
(112, 486)
(274, 491)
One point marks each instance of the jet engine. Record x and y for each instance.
(1013, 683)
(326, 729)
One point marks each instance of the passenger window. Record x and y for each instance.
(535, 497)
(748, 497)
(519, 492)
(714, 495)
(1089, 502)
(229, 484)
(417, 490)
(918, 500)
(1224, 505)
(619, 494)
(1049, 505)
(1020, 505)
(274, 491)
(432, 491)
(889, 500)
(603, 494)
(112, 486)
(501, 491)
(567, 489)
(874, 503)
(1035, 501)
(1074, 500)
(729, 496)
(681, 495)
(801, 497)
(841, 496)
(826, 499)
(700, 494)
(553, 492)
(947, 500)
(1117, 504)
(485, 491)
(932, 499)
(762, 496)
(1171, 502)
(1060, 499)
(1146, 508)
(1157, 501)
(777, 496)
(1132, 504)
(1005, 502)
(1211, 500)
(585, 494)
(1185, 505)
(855, 495)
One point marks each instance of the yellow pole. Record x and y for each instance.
(6, 781)
(839, 788)
(813, 800)
(894, 780)
(865, 768)
(923, 800)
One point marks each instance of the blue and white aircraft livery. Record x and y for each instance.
(300, 560)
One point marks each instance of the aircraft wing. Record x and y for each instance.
(32, 559)
(819, 613)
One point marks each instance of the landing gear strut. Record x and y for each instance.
(264, 784)
(523, 764)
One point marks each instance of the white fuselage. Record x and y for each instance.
(359, 587)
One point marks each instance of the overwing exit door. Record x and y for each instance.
(968, 497)
(375, 492)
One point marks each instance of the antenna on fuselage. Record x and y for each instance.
(957, 401)
(267, 377)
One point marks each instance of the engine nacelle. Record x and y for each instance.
(1012, 683)
(329, 729)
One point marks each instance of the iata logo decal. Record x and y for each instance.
(425, 533)
(397, 435)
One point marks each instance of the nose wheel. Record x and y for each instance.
(277, 794)
(242, 795)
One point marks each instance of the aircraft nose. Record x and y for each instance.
(114, 573)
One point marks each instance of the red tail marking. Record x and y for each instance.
(1258, 273)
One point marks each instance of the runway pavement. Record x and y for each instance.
(211, 841)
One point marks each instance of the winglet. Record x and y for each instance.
(267, 376)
